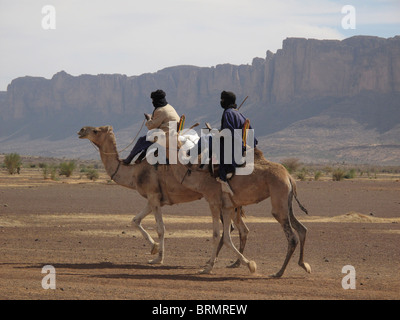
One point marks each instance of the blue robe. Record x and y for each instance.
(141, 145)
(231, 119)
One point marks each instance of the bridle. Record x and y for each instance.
(116, 153)
(112, 176)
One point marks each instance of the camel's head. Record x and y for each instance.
(95, 134)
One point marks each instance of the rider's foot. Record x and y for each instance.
(225, 186)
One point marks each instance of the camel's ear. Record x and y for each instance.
(106, 129)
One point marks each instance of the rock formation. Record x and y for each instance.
(357, 78)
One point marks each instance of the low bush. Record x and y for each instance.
(302, 175)
(338, 174)
(351, 174)
(12, 162)
(291, 164)
(92, 174)
(66, 168)
(317, 175)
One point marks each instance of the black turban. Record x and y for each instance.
(228, 99)
(158, 98)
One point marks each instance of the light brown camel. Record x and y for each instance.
(267, 180)
(159, 186)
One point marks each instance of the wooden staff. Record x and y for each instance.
(242, 102)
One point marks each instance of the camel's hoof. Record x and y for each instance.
(252, 266)
(206, 270)
(154, 249)
(156, 261)
(306, 267)
(276, 275)
(209, 262)
(234, 265)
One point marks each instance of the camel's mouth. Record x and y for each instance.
(82, 134)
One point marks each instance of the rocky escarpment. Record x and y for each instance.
(356, 78)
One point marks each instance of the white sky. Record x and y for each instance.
(134, 37)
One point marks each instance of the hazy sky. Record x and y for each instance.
(135, 37)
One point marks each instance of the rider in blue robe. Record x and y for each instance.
(231, 119)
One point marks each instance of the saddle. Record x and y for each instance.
(214, 168)
(142, 155)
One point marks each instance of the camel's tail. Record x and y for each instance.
(294, 194)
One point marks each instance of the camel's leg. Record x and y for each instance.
(280, 212)
(137, 221)
(301, 231)
(243, 233)
(215, 212)
(161, 233)
(227, 214)
(221, 240)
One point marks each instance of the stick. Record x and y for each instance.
(242, 102)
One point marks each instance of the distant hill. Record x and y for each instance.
(318, 100)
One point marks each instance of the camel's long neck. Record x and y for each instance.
(109, 156)
(114, 168)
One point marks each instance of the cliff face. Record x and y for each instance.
(357, 78)
(64, 93)
(308, 69)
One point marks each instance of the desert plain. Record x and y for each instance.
(83, 229)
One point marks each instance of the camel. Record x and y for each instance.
(268, 180)
(157, 185)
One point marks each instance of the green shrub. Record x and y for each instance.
(12, 162)
(45, 169)
(92, 174)
(301, 175)
(351, 174)
(53, 172)
(317, 175)
(337, 175)
(291, 164)
(49, 169)
(66, 168)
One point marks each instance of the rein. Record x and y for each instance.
(98, 149)
(112, 176)
(188, 172)
(116, 153)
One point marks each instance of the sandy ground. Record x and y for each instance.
(83, 230)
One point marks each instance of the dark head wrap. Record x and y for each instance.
(228, 100)
(158, 98)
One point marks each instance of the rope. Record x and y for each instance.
(113, 175)
(134, 138)
(113, 153)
